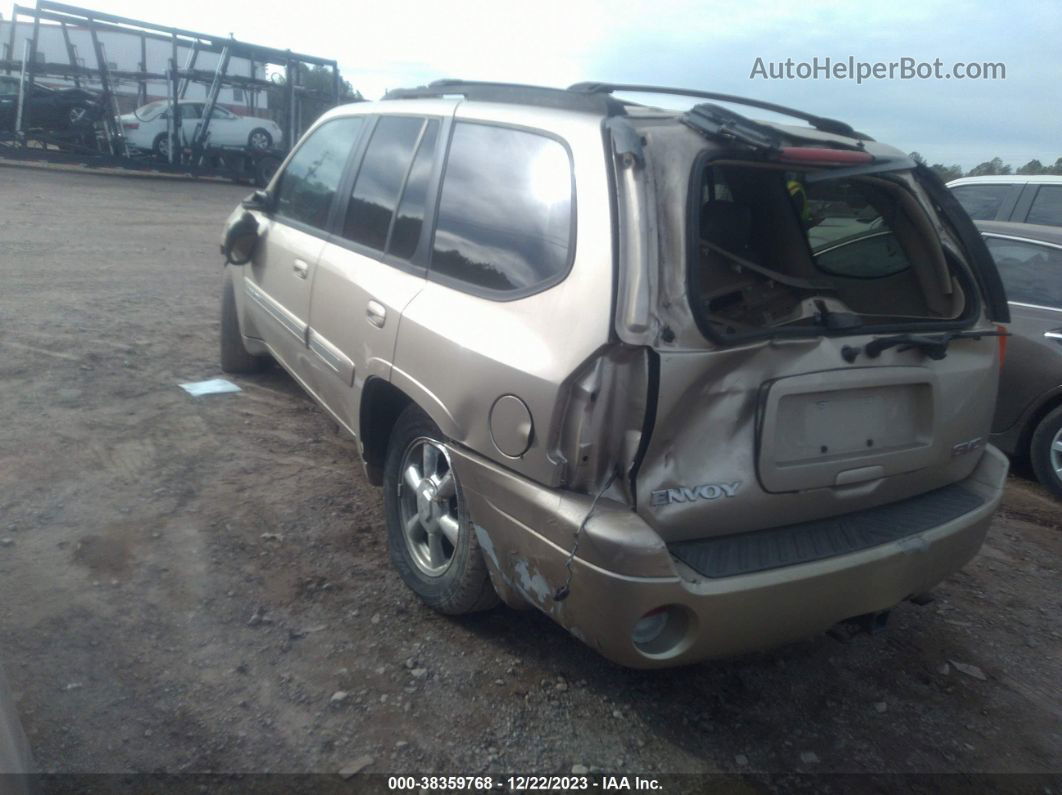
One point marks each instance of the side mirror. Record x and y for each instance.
(259, 200)
(240, 240)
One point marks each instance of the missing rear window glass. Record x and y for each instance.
(776, 251)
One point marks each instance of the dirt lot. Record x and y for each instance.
(185, 583)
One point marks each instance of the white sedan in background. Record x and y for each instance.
(147, 127)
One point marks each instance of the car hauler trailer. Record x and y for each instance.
(170, 57)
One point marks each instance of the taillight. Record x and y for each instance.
(131, 125)
(1002, 343)
(823, 156)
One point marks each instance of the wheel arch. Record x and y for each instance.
(1049, 403)
(382, 402)
(381, 405)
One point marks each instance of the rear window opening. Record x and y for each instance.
(783, 251)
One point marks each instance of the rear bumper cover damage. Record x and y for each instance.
(624, 569)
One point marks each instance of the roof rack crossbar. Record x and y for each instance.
(818, 122)
(482, 91)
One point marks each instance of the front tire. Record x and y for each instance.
(1045, 451)
(429, 533)
(234, 356)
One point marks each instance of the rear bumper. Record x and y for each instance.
(623, 570)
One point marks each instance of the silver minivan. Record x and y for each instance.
(690, 384)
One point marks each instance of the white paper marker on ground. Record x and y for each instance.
(215, 386)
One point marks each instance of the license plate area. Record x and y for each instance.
(843, 427)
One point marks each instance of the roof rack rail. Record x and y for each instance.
(520, 93)
(818, 122)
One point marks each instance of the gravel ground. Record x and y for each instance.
(201, 584)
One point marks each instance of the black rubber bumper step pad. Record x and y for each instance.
(760, 550)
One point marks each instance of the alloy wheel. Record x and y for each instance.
(428, 506)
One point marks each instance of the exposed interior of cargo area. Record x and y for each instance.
(778, 249)
(783, 231)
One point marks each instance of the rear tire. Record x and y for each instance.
(234, 356)
(161, 146)
(454, 581)
(1045, 451)
(79, 116)
(260, 140)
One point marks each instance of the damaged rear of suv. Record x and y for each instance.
(709, 386)
(788, 428)
(816, 320)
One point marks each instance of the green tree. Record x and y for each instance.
(917, 157)
(989, 168)
(947, 173)
(1034, 166)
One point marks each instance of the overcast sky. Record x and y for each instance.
(695, 44)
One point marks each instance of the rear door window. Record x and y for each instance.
(505, 220)
(383, 171)
(308, 184)
(1032, 273)
(982, 202)
(409, 221)
(1047, 206)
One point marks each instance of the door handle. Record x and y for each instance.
(301, 269)
(376, 313)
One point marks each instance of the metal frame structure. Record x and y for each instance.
(186, 156)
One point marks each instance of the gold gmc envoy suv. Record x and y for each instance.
(688, 383)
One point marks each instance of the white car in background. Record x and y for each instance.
(147, 127)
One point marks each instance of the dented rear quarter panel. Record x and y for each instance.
(458, 352)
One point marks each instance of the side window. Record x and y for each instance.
(308, 184)
(505, 214)
(981, 202)
(383, 170)
(191, 111)
(1047, 206)
(1031, 273)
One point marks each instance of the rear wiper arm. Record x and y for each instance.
(934, 346)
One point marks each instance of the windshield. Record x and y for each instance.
(151, 110)
(777, 250)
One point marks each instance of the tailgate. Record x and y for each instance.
(758, 437)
